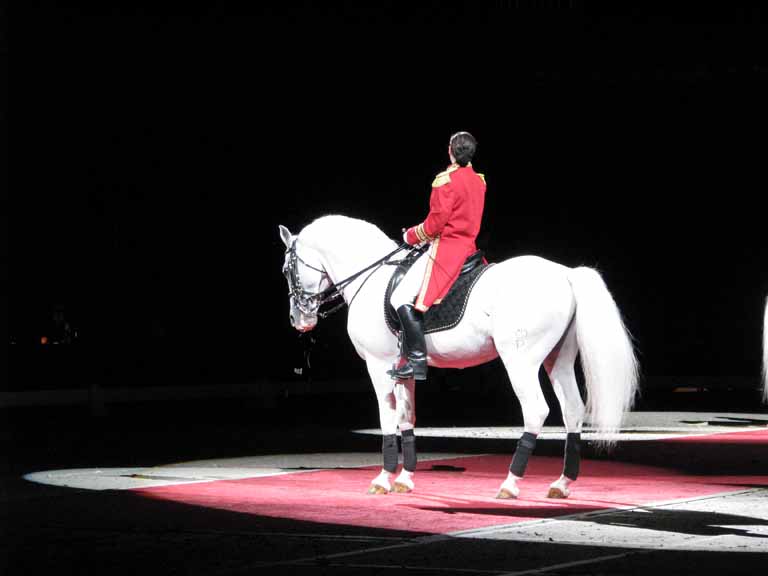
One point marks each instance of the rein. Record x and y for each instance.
(411, 251)
(334, 291)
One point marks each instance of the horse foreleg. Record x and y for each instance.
(406, 410)
(381, 484)
(384, 387)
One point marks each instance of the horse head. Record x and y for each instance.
(307, 281)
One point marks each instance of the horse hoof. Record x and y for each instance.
(555, 492)
(376, 489)
(505, 494)
(401, 488)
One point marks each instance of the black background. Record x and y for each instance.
(155, 151)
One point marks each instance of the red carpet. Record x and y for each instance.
(452, 500)
(757, 436)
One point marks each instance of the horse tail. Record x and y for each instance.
(607, 355)
(765, 352)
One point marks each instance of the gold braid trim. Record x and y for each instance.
(422, 235)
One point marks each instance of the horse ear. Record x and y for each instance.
(286, 235)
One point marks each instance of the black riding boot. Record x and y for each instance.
(414, 345)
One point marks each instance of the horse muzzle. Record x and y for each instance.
(303, 322)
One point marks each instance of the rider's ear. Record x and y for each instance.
(286, 235)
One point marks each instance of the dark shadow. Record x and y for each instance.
(512, 511)
(675, 521)
(434, 468)
(726, 457)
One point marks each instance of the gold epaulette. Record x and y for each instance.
(482, 177)
(444, 177)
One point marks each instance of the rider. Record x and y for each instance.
(451, 227)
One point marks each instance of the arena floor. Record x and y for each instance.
(683, 492)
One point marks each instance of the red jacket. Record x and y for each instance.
(452, 225)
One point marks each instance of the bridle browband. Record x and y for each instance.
(309, 302)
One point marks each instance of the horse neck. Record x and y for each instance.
(342, 259)
(342, 264)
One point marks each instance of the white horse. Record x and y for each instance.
(527, 310)
(765, 352)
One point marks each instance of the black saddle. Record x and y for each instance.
(450, 311)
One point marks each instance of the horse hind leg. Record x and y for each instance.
(560, 367)
(525, 381)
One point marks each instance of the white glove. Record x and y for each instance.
(405, 235)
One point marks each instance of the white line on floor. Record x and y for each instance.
(571, 564)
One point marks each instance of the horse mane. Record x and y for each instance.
(335, 230)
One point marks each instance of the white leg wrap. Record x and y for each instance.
(381, 481)
(404, 481)
(559, 488)
(509, 488)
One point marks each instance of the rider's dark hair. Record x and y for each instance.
(463, 146)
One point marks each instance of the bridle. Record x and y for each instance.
(306, 301)
(309, 302)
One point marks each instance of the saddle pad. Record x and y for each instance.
(443, 316)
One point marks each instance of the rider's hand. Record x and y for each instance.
(405, 235)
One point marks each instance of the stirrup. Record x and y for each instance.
(407, 371)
